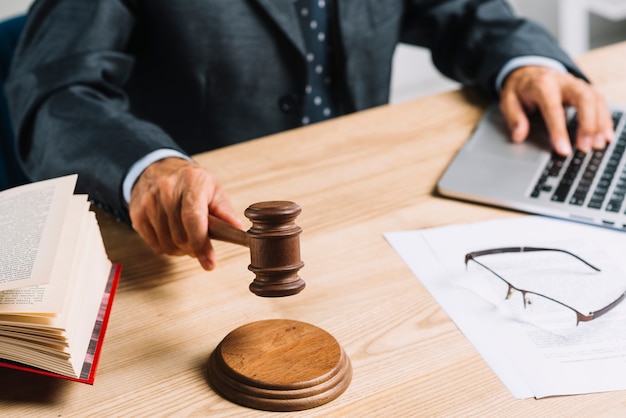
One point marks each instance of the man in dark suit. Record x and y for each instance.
(122, 91)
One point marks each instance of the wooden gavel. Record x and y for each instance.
(274, 244)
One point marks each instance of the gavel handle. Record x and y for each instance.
(222, 231)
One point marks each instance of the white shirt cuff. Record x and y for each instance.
(140, 165)
(524, 61)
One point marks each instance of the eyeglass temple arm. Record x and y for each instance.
(602, 311)
(474, 254)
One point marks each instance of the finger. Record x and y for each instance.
(195, 220)
(151, 204)
(222, 208)
(586, 128)
(161, 224)
(140, 211)
(171, 204)
(515, 117)
(581, 96)
(146, 232)
(551, 106)
(606, 130)
(148, 223)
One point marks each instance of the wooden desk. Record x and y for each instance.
(355, 178)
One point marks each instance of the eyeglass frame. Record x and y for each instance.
(580, 317)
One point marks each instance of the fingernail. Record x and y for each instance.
(563, 147)
(517, 134)
(205, 263)
(599, 141)
(585, 143)
(609, 135)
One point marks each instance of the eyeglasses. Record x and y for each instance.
(533, 298)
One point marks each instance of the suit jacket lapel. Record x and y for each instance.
(284, 15)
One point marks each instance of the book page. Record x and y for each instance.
(83, 311)
(52, 298)
(30, 225)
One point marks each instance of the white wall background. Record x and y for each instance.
(10, 8)
(603, 30)
(414, 75)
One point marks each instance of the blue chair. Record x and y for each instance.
(11, 173)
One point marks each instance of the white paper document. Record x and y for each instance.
(534, 356)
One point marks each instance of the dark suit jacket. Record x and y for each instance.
(10, 170)
(97, 84)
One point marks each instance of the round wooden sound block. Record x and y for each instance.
(279, 365)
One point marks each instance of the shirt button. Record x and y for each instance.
(288, 103)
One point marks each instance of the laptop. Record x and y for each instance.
(530, 177)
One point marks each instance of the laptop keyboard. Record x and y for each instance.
(581, 180)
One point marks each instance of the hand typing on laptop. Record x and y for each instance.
(533, 88)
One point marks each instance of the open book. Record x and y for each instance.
(56, 281)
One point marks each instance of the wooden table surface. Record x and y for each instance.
(355, 178)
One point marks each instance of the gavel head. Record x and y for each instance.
(274, 248)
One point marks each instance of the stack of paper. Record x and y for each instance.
(531, 361)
